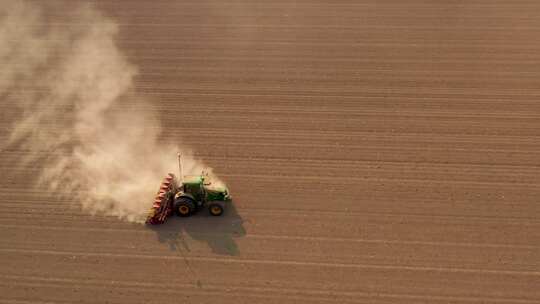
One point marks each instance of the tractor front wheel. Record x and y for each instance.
(216, 209)
(184, 207)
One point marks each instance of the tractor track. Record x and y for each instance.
(258, 293)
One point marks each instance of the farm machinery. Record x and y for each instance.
(186, 195)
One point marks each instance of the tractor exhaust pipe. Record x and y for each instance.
(180, 169)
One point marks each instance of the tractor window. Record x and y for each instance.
(195, 190)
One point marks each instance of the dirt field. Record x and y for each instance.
(377, 152)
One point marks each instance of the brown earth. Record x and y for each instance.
(377, 151)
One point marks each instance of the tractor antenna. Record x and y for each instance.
(180, 168)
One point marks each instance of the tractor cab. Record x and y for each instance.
(193, 185)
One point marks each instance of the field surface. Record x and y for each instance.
(377, 152)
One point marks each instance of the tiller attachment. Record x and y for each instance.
(162, 206)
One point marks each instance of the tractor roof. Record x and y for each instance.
(192, 179)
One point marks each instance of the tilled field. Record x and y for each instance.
(377, 152)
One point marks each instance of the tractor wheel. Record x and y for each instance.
(216, 209)
(184, 207)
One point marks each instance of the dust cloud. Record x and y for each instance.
(80, 117)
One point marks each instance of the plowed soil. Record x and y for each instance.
(377, 152)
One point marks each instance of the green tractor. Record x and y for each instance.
(197, 192)
(187, 196)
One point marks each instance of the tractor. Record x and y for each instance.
(196, 192)
(186, 197)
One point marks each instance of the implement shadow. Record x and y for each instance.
(217, 231)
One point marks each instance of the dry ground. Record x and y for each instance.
(378, 152)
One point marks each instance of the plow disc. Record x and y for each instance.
(162, 206)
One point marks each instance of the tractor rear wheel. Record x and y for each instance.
(216, 209)
(184, 207)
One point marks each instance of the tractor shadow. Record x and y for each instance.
(218, 232)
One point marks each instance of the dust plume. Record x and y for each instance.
(71, 83)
